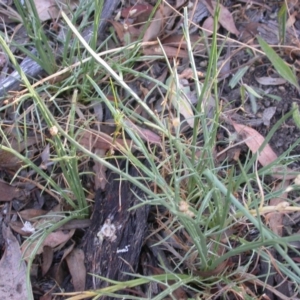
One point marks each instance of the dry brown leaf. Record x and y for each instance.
(168, 50)
(59, 270)
(45, 156)
(178, 41)
(67, 251)
(145, 134)
(59, 274)
(48, 9)
(291, 20)
(139, 12)
(225, 17)
(174, 46)
(9, 192)
(75, 261)
(126, 32)
(254, 140)
(28, 214)
(53, 240)
(12, 269)
(155, 26)
(47, 259)
(209, 25)
(157, 23)
(96, 139)
(275, 219)
(9, 160)
(189, 74)
(18, 227)
(119, 29)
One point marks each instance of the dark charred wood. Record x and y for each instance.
(112, 256)
(34, 71)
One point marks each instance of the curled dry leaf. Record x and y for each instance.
(225, 17)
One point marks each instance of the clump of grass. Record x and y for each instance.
(199, 194)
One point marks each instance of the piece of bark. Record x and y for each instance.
(34, 71)
(113, 243)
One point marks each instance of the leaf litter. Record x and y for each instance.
(163, 37)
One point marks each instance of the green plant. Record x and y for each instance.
(198, 193)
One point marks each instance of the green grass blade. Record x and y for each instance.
(281, 67)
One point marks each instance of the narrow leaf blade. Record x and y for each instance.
(281, 67)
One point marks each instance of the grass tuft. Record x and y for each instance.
(213, 205)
